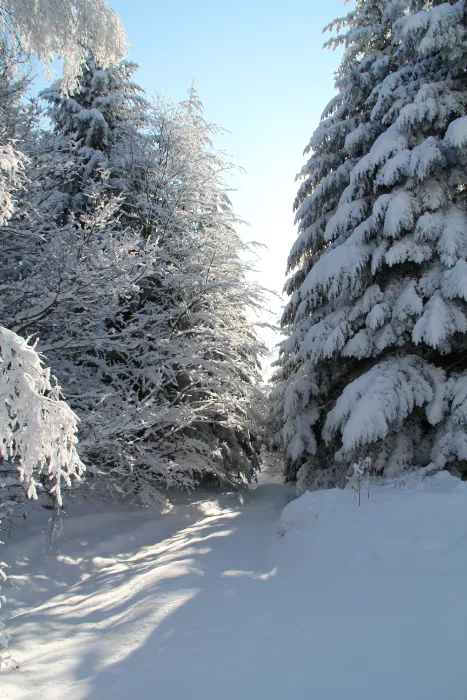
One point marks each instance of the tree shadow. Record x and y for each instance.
(158, 618)
(211, 643)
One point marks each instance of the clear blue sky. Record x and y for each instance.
(262, 74)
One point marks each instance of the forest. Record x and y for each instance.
(134, 354)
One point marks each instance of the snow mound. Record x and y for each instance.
(408, 527)
(384, 610)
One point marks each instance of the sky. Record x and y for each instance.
(262, 75)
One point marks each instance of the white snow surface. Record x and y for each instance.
(225, 598)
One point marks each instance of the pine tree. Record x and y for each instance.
(377, 316)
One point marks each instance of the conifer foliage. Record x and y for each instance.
(374, 365)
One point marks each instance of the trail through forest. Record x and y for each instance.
(226, 598)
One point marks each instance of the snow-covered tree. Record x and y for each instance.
(70, 29)
(73, 198)
(29, 397)
(377, 315)
(69, 258)
(196, 365)
(209, 349)
(102, 118)
(144, 315)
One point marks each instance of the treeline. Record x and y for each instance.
(120, 257)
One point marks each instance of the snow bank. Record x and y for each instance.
(385, 609)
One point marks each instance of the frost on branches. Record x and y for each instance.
(69, 28)
(377, 317)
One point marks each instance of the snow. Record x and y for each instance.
(388, 144)
(380, 400)
(439, 320)
(399, 215)
(456, 134)
(37, 428)
(337, 269)
(454, 283)
(71, 29)
(215, 600)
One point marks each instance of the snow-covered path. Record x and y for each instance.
(185, 617)
(212, 603)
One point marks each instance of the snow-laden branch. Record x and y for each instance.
(37, 428)
(70, 29)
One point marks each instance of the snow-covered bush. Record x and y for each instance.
(377, 318)
(37, 433)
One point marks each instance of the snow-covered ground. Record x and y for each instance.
(225, 598)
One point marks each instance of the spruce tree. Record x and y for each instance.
(377, 316)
